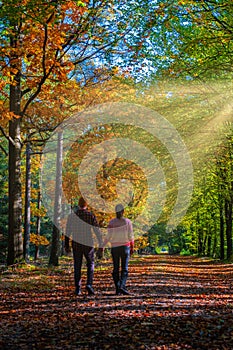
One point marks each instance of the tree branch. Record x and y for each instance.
(7, 136)
(3, 149)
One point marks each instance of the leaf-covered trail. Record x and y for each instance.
(176, 303)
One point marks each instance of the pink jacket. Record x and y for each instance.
(120, 233)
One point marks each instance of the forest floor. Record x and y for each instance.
(176, 303)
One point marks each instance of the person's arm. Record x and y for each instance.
(98, 234)
(97, 231)
(68, 233)
(131, 237)
(108, 237)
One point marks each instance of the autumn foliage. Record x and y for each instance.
(176, 303)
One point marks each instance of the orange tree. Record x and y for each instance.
(46, 43)
(38, 241)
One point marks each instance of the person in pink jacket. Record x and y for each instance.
(120, 235)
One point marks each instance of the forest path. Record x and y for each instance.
(176, 303)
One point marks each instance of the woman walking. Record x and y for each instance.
(120, 235)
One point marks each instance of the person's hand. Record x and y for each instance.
(67, 250)
(100, 253)
(131, 251)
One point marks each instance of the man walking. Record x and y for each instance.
(80, 226)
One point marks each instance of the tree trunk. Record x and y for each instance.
(200, 244)
(55, 248)
(222, 250)
(27, 208)
(15, 238)
(38, 218)
(204, 246)
(215, 238)
(38, 222)
(209, 240)
(228, 216)
(36, 252)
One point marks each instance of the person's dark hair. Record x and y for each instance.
(82, 203)
(119, 211)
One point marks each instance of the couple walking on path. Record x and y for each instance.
(80, 227)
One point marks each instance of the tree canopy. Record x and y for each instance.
(59, 57)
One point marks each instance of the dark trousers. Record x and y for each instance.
(79, 251)
(120, 257)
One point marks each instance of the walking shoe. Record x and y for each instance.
(124, 291)
(77, 291)
(90, 290)
(117, 285)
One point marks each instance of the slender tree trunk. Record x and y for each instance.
(214, 249)
(200, 240)
(36, 252)
(38, 218)
(38, 221)
(214, 246)
(55, 248)
(204, 246)
(63, 237)
(199, 235)
(209, 241)
(221, 215)
(15, 239)
(27, 208)
(228, 216)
